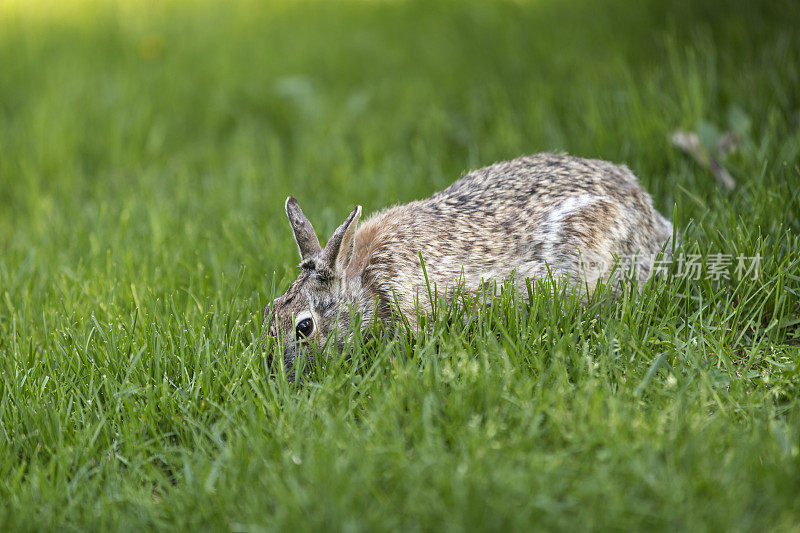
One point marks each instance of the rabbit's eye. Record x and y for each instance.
(304, 328)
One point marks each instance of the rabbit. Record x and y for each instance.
(532, 217)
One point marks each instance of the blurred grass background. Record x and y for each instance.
(146, 149)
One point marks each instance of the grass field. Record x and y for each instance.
(145, 152)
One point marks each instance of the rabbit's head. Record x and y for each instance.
(317, 306)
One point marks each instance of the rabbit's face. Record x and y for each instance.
(311, 311)
(315, 307)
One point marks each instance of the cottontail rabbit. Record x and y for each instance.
(535, 216)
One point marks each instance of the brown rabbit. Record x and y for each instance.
(532, 217)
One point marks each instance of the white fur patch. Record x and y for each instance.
(571, 206)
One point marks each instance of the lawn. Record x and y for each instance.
(146, 149)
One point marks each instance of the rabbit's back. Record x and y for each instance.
(534, 182)
(540, 213)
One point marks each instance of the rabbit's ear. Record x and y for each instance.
(304, 234)
(339, 250)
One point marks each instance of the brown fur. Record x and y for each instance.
(525, 217)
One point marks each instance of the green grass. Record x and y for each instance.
(145, 153)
